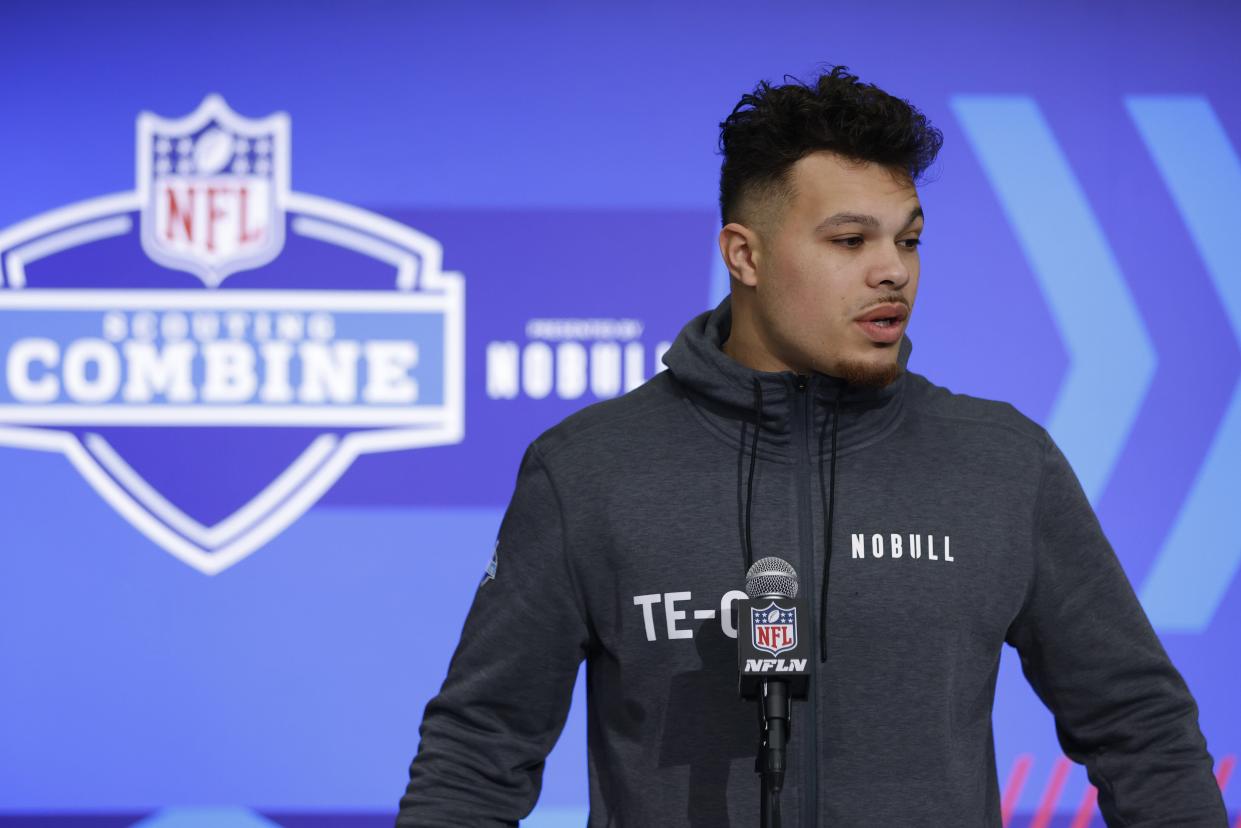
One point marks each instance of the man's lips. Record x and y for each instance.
(884, 323)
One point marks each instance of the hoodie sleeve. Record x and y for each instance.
(503, 704)
(1090, 653)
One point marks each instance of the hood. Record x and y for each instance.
(726, 387)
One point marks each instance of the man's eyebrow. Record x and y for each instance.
(864, 219)
(849, 218)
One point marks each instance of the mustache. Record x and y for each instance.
(888, 299)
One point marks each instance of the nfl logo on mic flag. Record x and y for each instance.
(775, 628)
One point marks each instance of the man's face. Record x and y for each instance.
(837, 270)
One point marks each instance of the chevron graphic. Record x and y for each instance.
(1202, 554)
(1109, 372)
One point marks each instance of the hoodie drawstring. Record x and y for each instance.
(827, 496)
(749, 489)
(827, 499)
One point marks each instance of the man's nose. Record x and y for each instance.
(891, 269)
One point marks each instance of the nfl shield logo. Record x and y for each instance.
(775, 628)
(214, 187)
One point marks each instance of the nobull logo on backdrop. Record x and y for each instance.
(212, 350)
(573, 359)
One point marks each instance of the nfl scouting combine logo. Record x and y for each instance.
(212, 350)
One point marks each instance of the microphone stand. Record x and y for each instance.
(770, 764)
(771, 584)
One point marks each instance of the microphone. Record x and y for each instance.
(773, 664)
(770, 633)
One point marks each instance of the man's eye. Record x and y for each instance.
(850, 242)
(911, 244)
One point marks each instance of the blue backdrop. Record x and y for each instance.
(493, 215)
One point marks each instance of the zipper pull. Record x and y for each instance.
(802, 382)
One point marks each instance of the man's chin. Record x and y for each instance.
(868, 374)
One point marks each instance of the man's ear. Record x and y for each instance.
(740, 247)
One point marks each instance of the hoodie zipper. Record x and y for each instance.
(803, 422)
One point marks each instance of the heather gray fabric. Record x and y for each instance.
(958, 527)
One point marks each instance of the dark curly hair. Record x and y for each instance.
(775, 126)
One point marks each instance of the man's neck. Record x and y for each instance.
(756, 359)
(745, 346)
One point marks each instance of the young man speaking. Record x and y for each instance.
(928, 529)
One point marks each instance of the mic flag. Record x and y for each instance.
(771, 644)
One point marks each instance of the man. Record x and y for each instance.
(928, 530)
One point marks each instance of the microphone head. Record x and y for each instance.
(771, 576)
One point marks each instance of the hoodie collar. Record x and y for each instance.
(726, 387)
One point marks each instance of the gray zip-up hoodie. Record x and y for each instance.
(954, 526)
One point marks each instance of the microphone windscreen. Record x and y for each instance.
(771, 576)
